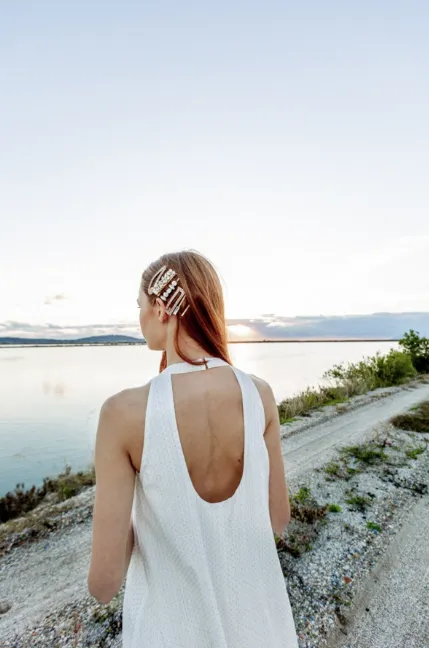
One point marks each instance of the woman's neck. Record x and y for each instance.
(189, 348)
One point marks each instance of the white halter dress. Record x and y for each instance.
(203, 575)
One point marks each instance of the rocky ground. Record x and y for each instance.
(348, 508)
(391, 605)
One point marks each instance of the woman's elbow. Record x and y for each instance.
(280, 514)
(280, 523)
(104, 592)
(279, 526)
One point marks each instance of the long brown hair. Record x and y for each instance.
(204, 321)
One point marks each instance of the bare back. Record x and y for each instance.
(209, 414)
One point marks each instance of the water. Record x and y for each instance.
(50, 397)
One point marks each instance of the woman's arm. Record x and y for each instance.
(279, 493)
(113, 538)
(280, 510)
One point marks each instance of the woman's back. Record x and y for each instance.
(191, 482)
(204, 571)
(209, 414)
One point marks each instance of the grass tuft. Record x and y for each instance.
(368, 453)
(359, 502)
(313, 399)
(416, 420)
(307, 516)
(374, 526)
(21, 501)
(304, 508)
(413, 453)
(334, 469)
(303, 495)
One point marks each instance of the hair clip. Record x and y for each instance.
(160, 280)
(164, 284)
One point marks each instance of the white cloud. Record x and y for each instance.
(54, 298)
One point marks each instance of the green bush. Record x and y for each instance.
(394, 368)
(377, 371)
(418, 348)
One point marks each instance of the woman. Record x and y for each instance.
(191, 482)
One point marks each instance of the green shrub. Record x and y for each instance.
(358, 373)
(418, 348)
(394, 368)
(377, 371)
(353, 379)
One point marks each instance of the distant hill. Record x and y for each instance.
(271, 327)
(96, 339)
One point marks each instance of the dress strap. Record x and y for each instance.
(185, 367)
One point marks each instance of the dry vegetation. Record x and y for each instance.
(21, 501)
(354, 379)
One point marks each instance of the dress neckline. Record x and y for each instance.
(185, 367)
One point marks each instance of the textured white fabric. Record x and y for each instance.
(203, 575)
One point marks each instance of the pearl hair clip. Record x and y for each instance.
(164, 284)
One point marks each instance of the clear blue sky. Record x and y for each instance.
(287, 141)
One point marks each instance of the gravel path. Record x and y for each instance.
(39, 576)
(391, 609)
(315, 446)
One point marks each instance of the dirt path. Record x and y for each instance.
(37, 577)
(391, 608)
(319, 444)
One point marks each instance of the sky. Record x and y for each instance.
(288, 142)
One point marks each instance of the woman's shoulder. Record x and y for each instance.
(263, 387)
(128, 405)
(267, 397)
(123, 416)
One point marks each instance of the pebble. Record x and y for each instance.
(5, 607)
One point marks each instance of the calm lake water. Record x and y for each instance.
(50, 397)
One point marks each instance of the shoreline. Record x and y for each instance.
(143, 343)
(314, 340)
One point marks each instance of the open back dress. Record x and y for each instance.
(203, 575)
